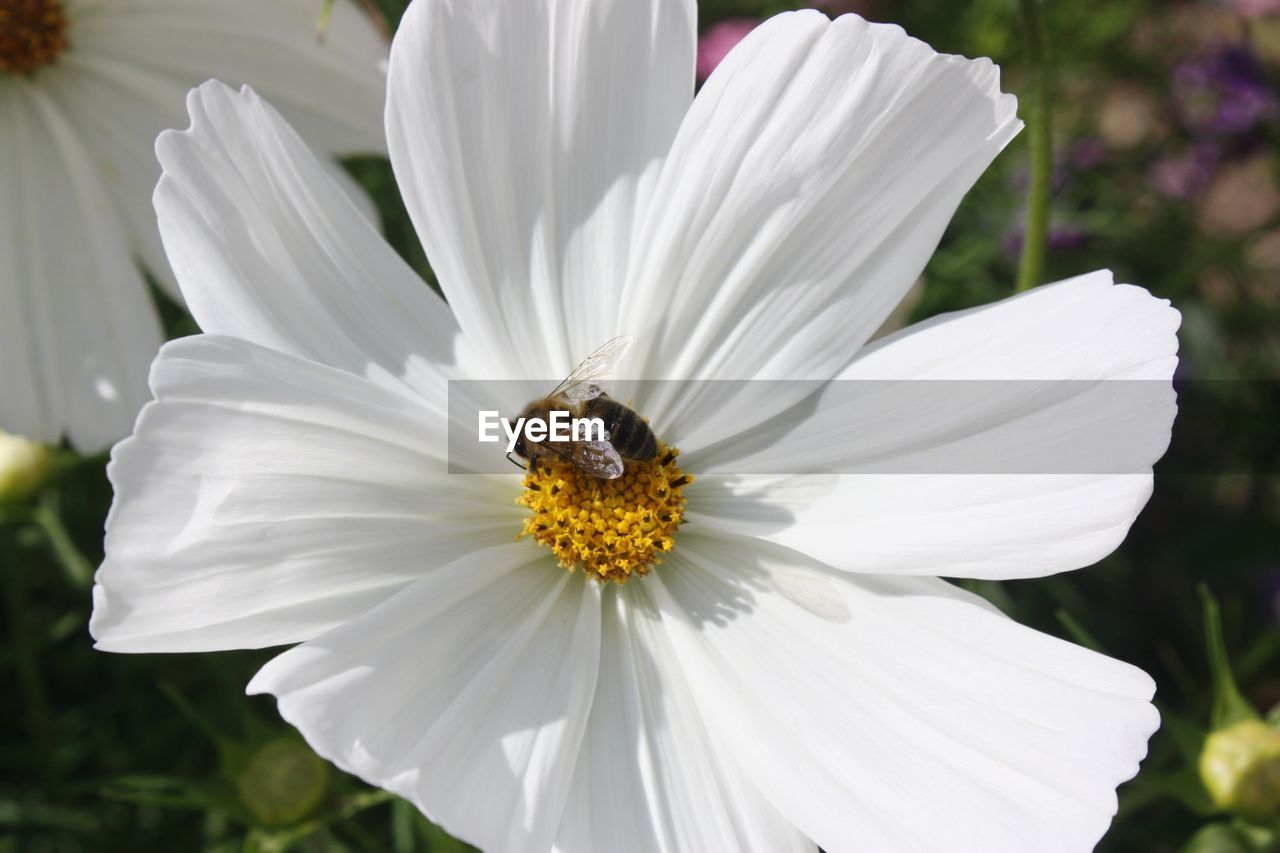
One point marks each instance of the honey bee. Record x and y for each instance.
(626, 435)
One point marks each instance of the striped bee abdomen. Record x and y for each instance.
(628, 433)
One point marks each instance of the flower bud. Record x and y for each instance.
(1240, 768)
(24, 467)
(1217, 838)
(283, 782)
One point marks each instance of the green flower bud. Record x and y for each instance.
(283, 782)
(24, 467)
(1240, 768)
(1217, 838)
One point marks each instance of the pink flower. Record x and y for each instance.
(1256, 8)
(716, 43)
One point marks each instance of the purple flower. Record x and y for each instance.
(716, 43)
(1084, 155)
(1066, 238)
(1223, 93)
(1088, 153)
(1186, 174)
(1062, 238)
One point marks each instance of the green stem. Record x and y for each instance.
(1035, 237)
(1078, 632)
(192, 715)
(77, 569)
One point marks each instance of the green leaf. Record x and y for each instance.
(164, 791)
(1229, 705)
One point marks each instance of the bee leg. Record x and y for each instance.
(517, 464)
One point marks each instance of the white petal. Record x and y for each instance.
(77, 328)
(525, 136)
(83, 329)
(808, 186)
(131, 66)
(268, 247)
(264, 499)
(1082, 328)
(27, 404)
(467, 694)
(649, 775)
(117, 110)
(1017, 478)
(898, 713)
(332, 90)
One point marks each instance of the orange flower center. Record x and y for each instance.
(613, 529)
(32, 33)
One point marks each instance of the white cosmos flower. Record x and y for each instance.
(85, 86)
(793, 673)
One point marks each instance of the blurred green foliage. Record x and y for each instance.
(120, 752)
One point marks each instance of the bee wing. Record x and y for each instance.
(587, 379)
(598, 458)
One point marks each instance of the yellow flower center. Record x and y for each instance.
(32, 34)
(613, 529)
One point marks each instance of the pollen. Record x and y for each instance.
(612, 529)
(32, 34)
